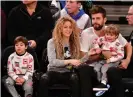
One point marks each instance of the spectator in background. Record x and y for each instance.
(127, 71)
(74, 10)
(33, 21)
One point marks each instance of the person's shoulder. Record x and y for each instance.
(28, 54)
(12, 55)
(16, 7)
(63, 12)
(117, 40)
(15, 10)
(88, 30)
(85, 16)
(42, 6)
(51, 41)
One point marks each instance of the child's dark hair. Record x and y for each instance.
(21, 39)
(112, 29)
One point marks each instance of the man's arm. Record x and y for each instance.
(125, 62)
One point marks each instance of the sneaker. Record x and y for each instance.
(99, 93)
(101, 87)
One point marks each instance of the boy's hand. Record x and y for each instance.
(17, 80)
(22, 80)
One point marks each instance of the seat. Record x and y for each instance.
(9, 50)
(128, 79)
(128, 83)
(56, 89)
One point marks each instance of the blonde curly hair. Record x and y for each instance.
(73, 40)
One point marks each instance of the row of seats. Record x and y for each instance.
(128, 82)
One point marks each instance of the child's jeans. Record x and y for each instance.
(27, 86)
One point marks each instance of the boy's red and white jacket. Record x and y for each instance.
(20, 64)
(115, 47)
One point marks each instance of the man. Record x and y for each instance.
(33, 21)
(128, 72)
(86, 73)
(73, 9)
(130, 15)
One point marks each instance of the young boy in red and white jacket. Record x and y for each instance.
(20, 68)
(109, 42)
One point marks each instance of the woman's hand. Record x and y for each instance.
(74, 62)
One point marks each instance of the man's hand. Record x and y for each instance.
(98, 50)
(92, 52)
(107, 54)
(124, 63)
(32, 43)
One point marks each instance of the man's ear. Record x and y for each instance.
(105, 20)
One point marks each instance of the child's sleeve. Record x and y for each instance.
(30, 67)
(120, 53)
(96, 43)
(10, 69)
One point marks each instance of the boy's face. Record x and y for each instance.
(72, 6)
(20, 47)
(110, 37)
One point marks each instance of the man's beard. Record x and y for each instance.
(97, 27)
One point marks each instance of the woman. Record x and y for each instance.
(63, 53)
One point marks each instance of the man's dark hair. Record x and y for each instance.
(98, 9)
(21, 39)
